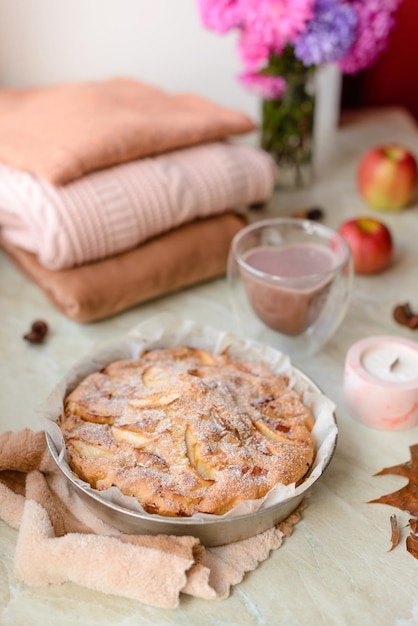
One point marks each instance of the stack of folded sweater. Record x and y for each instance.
(115, 192)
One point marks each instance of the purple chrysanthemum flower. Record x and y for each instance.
(329, 35)
(220, 15)
(268, 87)
(375, 20)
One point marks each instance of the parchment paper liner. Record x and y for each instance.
(165, 331)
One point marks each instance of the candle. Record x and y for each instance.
(381, 382)
(288, 288)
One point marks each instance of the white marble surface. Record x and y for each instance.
(336, 568)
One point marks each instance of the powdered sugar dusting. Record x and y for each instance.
(185, 431)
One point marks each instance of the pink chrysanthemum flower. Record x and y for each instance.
(375, 20)
(253, 52)
(268, 87)
(220, 15)
(276, 23)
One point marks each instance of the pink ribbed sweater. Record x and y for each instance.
(117, 208)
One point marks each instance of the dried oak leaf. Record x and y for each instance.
(412, 545)
(395, 532)
(406, 498)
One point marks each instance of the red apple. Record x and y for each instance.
(387, 177)
(370, 242)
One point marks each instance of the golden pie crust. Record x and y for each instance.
(185, 431)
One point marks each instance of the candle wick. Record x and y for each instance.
(394, 363)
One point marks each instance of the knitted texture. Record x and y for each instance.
(115, 209)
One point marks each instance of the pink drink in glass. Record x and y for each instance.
(287, 286)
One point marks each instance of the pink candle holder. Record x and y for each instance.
(381, 382)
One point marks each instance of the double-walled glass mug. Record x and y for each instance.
(290, 283)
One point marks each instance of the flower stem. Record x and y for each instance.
(287, 122)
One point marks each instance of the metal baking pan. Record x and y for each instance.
(214, 532)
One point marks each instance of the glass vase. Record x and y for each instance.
(287, 123)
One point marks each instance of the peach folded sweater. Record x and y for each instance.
(191, 254)
(115, 209)
(61, 132)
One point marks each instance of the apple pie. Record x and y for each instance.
(185, 431)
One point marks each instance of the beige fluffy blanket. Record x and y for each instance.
(60, 540)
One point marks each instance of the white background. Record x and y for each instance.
(161, 42)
